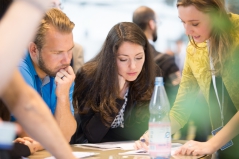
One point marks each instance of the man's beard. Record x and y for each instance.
(43, 67)
(155, 36)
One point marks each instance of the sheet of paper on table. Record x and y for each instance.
(109, 145)
(76, 154)
(79, 155)
(175, 146)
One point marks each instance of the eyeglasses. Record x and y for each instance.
(157, 22)
(58, 6)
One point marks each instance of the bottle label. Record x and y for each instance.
(159, 139)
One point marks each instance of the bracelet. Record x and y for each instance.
(36, 4)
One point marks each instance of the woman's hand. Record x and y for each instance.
(196, 148)
(122, 86)
(121, 82)
(143, 142)
(32, 144)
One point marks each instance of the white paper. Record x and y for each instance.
(76, 154)
(135, 152)
(175, 146)
(110, 145)
(79, 155)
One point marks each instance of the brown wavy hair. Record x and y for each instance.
(221, 40)
(97, 85)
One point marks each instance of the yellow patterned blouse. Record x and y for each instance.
(197, 76)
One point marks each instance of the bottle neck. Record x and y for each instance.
(158, 84)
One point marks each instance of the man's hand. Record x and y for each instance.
(63, 115)
(64, 79)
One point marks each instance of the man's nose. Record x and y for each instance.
(66, 58)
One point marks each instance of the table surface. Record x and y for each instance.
(109, 154)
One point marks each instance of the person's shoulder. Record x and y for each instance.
(77, 47)
(192, 49)
(27, 70)
(163, 57)
(159, 56)
(24, 63)
(235, 22)
(234, 19)
(25, 66)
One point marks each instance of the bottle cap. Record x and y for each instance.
(158, 81)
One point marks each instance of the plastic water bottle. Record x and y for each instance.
(159, 123)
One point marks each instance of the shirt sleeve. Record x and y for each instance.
(186, 96)
(93, 127)
(18, 151)
(71, 98)
(91, 124)
(25, 72)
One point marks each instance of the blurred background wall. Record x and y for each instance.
(94, 18)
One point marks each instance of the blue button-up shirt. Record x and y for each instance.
(46, 87)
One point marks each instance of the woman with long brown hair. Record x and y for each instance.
(211, 66)
(113, 90)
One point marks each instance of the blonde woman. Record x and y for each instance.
(211, 66)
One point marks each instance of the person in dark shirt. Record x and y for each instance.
(146, 19)
(113, 90)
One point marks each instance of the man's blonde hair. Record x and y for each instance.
(57, 19)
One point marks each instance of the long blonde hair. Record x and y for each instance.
(221, 40)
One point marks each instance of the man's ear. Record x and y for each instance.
(151, 24)
(32, 48)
